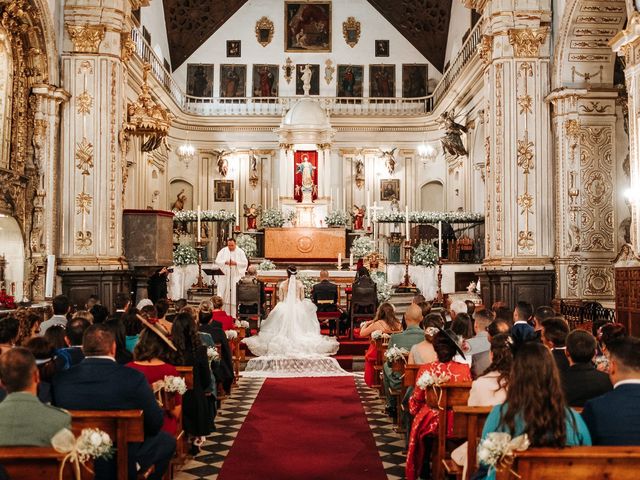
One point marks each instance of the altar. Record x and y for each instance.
(305, 244)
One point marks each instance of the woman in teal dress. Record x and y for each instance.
(535, 405)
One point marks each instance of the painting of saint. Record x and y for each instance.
(223, 190)
(315, 79)
(308, 26)
(232, 80)
(349, 82)
(382, 81)
(389, 190)
(382, 48)
(414, 80)
(200, 80)
(265, 80)
(233, 48)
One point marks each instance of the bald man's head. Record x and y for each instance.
(413, 315)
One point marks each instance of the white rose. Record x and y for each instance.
(95, 439)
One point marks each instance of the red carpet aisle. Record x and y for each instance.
(311, 428)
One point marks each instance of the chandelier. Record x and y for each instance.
(427, 153)
(186, 152)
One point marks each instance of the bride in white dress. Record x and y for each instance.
(289, 342)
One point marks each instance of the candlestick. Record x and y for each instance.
(368, 211)
(271, 202)
(237, 208)
(406, 222)
(344, 199)
(278, 198)
(351, 261)
(440, 239)
(340, 259)
(199, 230)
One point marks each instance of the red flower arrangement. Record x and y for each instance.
(7, 301)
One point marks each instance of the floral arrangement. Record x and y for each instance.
(266, 265)
(379, 334)
(308, 282)
(231, 334)
(425, 254)
(431, 331)
(383, 288)
(6, 300)
(212, 354)
(390, 216)
(185, 255)
(174, 384)
(290, 216)
(362, 246)
(428, 379)
(248, 244)
(497, 448)
(205, 216)
(272, 217)
(91, 444)
(394, 354)
(241, 324)
(337, 218)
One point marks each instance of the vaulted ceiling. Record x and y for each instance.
(424, 23)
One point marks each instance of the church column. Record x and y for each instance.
(519, 233)
(92, 170)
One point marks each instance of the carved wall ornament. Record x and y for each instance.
(485, 49)
(84, 102)
(359, 176)
(572, 128)
(329, 70)
(264, 31)
(589, 57)
(526, 42)
(526, 103)
(351, 31)
(526, 240)
(525, 155)
(254, 176)
(127, 47)
(288, 69)
(572, 277)
(83, 240)
(85, 67)
(525, 202)
(594, 106)
(83, 203)
(84, 156)
(599, 281)
(86, 38)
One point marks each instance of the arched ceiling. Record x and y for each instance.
(424, 23)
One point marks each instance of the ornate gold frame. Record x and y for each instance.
(264, 24)
(351, 25)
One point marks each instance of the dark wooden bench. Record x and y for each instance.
(472, 419)
(39, 463)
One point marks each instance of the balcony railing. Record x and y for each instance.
(336, 106)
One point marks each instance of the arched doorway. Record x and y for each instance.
(432, 196)
(12, 249)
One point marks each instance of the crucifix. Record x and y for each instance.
(376, 228)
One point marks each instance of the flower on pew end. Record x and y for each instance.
(92, 443)
(376, 335)
(212, 354)
(241, 324)
(174, 384)
(394, 353)
(496, 450)
(428, 379)
(231, 334)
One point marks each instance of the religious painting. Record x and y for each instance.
(264, 31)
(233, 80)
(223, 190)
(315, 79)
(233, 48)
(350, 79)
(265, 80)
(382, 81)
(307, 26)
(390, 190)
(200, 80)
(382, 48)
(414, 80)
(305, 176)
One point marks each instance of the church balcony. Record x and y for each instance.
(335, 106)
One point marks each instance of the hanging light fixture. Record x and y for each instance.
(427, 153)
(186, 152)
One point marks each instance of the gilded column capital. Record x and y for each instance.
(526, 42)
(86, 38)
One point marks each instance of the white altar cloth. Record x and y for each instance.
(182, 278)
(425, 278)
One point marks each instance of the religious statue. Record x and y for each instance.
(306, 168)
(306, 80)
(252, 213)
(359, 174)
(178, 205)
(395, 205)
(221, 160)
(389, 160)
(357, 213)
(452, 140)
(253, 170)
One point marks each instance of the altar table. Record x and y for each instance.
(306, 244)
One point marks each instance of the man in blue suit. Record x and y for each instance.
(614, 418)
(99, 383)
(521, 331)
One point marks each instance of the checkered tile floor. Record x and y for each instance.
(234, 410)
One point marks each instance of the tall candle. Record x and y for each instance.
(271, 202)
(368, 211)
(350, 261)
(237, 208)
(440, 239)
(340, 258)
(198, 224)
(375, 225)
(406, 222)
(278, 198)
(344, 199)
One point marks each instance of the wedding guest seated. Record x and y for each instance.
(456, 307)
(581, 381)
(539, 316)
(61, 308)
(412, 335)
(479, 344)
(122, 356)
(471, 307)
(425, 418)
(223, 370)
(607, 334)
(121, 303)
(418, 299)
(145, 302)
(364, 283)
(84, 314)
(133, 326)
(535, 405)
(56, 335)
(72, 354)
(218, 315)
(29, 325)
(463, 326)
(99, 383)
(424, 352)
(48, 365)
(497, 305)
(521, 331)
(384, 321)
(250, 278)
(425, 309)
(24, 420)
(91, 302)
(504, 313)
(498, 326)
(614, 418)
(162, 307)
(554, 336)
(9, 327)
(100, 313)
(325, 296)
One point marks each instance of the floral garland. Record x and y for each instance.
(266, 265)
(390, 216)
(383, 288)
(308, 281)
(425, 254)
(337, 218)
(248, 244)
(362, 246)
(185, 255)
(205, 216)
(272, 218)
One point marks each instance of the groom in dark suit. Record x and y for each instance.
(325, 296)
(614, 418)
(99, 383)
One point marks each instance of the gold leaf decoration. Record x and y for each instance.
(84, 156)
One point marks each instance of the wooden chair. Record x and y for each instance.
(575, 463)
(363, 298)
(473, 418)
(123, 426)
(453, 394)
(186, 373)
(379, 361)
(28, 463)
(399, 367)
(182, 442)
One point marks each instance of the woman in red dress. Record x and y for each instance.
(385, 321)
(219, 315)
(425, 419)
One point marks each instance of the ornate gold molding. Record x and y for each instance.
(264, 31)
(127, 47)
(86, 38)
(351, 31)
(485, 49)
(526, 41)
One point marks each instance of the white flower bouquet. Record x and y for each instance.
(384, 289)
(308, 282)
(205, 216)
(432, 379)
(362, 246)
(241, 324)
(185, 255)
(231, 334)
(496, 449)
(380, 335)
(266, 265)
(174, 384)
(425, 254)
(395, 354)
(248, 244)
(91, 444)
(272, 218)
(337, 218)
(212, 354)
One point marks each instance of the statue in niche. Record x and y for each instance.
(395, 205)
(357, 213)
(359, 174)
(253, 170)
(306, 79)
(251, 214)
(306, 168)
(452, 140)
(221, 161)
(181, 199)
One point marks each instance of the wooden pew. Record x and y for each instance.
(29, 463)
(182, 442)
(187, 374)
(123, 426)
(575, 463)
(473, 418)
(377, 366)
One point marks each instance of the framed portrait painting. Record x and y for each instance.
(382, 81)
(223, 190)
(390, 190)
(200, 80)
(315, 79)
(234, 48)
(382, 48)
(265, 80)
(414, 80)
(233, 79)
(349, 82)
(307, 26)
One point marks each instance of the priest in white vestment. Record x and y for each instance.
(233, 263)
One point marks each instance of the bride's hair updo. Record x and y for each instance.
(291, 270)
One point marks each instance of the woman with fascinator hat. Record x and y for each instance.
(291, 332)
